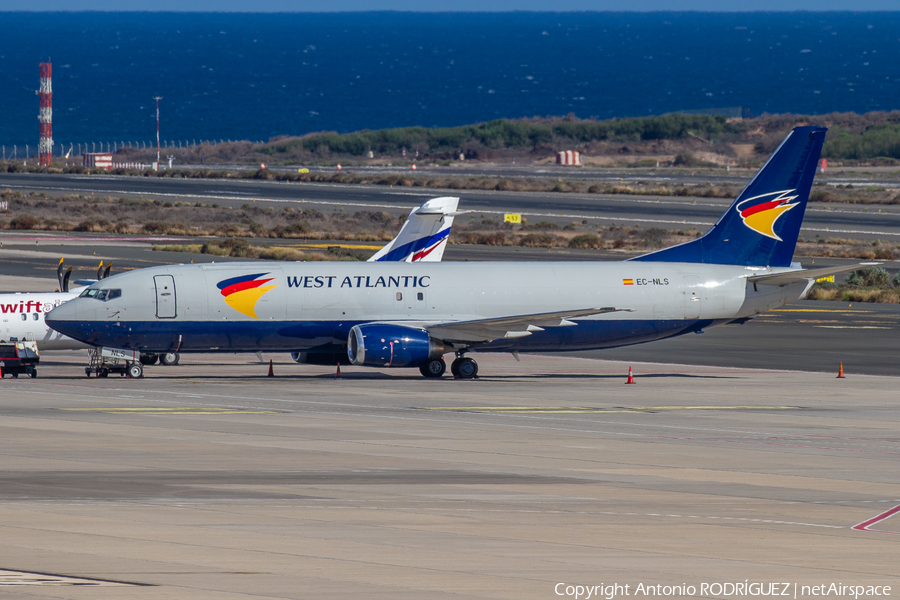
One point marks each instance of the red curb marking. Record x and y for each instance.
(864, 526)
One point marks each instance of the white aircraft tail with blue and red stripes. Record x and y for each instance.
(424, 234)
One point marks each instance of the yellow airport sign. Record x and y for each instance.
(828, 279)
(512, 218)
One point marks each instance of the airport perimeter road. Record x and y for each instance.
(208, 480)
(849, 221)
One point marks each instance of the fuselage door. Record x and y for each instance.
(165, 296)
(692, 297)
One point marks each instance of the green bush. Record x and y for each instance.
(24, 222)
(654, 237)
(505, 133)
(868, 277)
(586, 240)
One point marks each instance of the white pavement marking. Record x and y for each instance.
(24, 578)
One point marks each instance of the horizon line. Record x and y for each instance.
(467, 11)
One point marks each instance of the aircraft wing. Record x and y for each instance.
(802, 275)
(485, 330)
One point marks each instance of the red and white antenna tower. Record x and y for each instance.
(45, 145)
(157, 98)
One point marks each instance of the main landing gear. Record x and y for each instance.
(462, 368)
(168, 358)
(434, 367)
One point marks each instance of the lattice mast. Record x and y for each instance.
(45, 145)
(157, 98)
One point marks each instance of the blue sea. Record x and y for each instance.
(255, 76)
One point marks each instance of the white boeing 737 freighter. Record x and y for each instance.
(400, 314)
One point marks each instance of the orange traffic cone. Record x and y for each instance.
(337, 374)
(841, 371)
(271, 371)
(630, 376)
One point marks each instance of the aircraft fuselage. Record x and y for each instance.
(312, 306)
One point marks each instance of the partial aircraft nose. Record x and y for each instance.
(64, 319)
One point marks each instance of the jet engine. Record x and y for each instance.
(383, 345)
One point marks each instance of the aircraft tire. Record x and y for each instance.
(433, 368)
(466, 368)
(169, 359)
(34, 373)
(148, 358)
(135, 370)
(15, 375)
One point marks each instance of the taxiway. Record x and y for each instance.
(209, 480)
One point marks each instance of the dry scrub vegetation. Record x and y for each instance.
(871, 284)
(39, 212)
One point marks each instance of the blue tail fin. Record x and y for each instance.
(762, 226)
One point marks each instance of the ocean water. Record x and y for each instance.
(254, 76)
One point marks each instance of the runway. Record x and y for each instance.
(209, 480)
(824, 220)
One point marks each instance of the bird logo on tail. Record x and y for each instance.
(760, 213)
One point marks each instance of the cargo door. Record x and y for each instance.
(692, 298)
(165, 296)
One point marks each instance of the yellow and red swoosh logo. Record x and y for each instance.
(761, 212)
(242, 293)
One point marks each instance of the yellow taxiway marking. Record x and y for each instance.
(176, 410)
(850, 327)
(587, 409)
(326, 246)
(821, 310)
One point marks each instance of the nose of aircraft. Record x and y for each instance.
(64, 319)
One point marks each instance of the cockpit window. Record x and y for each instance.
(103, 295)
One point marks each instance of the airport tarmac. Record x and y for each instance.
(210, 480)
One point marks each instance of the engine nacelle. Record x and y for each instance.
(377, 345)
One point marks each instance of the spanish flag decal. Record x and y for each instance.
(628, 282)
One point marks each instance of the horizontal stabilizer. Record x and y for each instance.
(789, 277)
